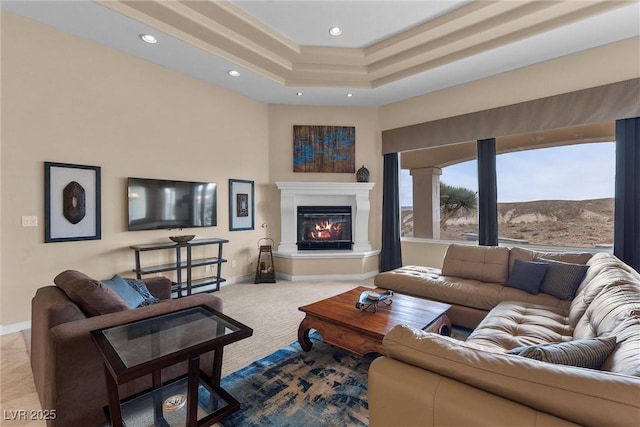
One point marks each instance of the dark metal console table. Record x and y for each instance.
(184, 264)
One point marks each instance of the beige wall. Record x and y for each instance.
(68, 100)
(72, 101)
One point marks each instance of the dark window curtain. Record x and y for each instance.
(487, 193)
(626, 240)
(391, 255)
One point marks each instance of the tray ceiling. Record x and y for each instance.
(389, 50)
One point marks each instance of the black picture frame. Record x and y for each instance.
(72, 206)
(241, 205)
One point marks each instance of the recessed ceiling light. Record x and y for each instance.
(335, 31)
(148, 38)
(349, 95)
(234, 73)
(299, 94)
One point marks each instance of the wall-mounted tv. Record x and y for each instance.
(164, 204)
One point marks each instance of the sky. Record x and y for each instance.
(573, 172)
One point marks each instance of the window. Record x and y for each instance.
(553, 196)
(558, 196)
(406, 204)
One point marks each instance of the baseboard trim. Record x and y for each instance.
(324, 277)
(15, 327)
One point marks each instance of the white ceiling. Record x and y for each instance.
(364, 22)
(389, 50)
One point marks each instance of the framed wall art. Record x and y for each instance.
(71, 202)
(241, 205)
(324, 149)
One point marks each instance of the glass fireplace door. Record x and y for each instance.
(324, 227)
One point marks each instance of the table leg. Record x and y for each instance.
(217, 367)
(157, 398)
(303, 335)
(192, 391)
(114, 400)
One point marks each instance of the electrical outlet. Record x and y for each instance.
(207, 268)
(233, 263)
(29, 221)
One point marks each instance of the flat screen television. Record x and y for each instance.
(164, 204)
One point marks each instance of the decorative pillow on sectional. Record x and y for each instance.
(527, 276)
(589, 353)
(130, 295)
(524, 254)
(92, 296)
(141, 288)
(562, 279)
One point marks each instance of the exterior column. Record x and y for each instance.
(426, 202)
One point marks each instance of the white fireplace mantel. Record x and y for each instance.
(354, 194)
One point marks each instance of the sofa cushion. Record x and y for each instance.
(484, 263)
(131, 296)
(604, 269)
(562, 278)
(514, 324)
(92, 296)
(624, 359)
(616, 302)
(428, 283)
(589, 353)
(527, 275)
(524, 254)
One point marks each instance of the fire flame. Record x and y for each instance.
(326, 230)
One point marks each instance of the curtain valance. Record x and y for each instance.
(594, 105)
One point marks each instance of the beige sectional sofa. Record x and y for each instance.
(427, 379)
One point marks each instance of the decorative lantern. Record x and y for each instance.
(265, 270)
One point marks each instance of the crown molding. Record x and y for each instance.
(224, 30)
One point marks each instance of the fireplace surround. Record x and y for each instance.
(358, 263)
(351, 194)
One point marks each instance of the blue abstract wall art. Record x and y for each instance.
(324, 149)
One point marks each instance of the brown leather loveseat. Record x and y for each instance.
(68, 369)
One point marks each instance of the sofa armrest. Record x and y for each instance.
(584, 396)
(160, 287)
(75, 367)
(401, 394)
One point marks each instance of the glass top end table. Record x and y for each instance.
(149, 345)
(148, 339)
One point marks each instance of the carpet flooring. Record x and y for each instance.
(271, 310)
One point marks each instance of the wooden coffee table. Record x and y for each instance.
(340, 323)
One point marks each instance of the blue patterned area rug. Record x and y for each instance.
(326, 386)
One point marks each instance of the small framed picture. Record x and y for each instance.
(241, 205)
(71, 202)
